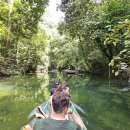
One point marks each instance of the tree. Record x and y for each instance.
(120, 34)
(92, 23)
(20, 22)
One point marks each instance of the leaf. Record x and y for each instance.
(116, 73)
(111, 63)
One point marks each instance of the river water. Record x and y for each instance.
(106, 106)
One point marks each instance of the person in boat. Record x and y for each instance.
(57, 121)
(54, 87)
(42, 114)
(76, 118)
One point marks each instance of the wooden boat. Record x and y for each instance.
(46, 109)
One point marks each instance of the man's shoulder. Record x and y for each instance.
(56, 124)
(40, 121)
(73, 125)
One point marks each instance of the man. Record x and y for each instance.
(57, 121)
(55, 86)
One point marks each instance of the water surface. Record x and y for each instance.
(106, 106)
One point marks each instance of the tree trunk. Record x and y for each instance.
(10, 3)
(9, 40)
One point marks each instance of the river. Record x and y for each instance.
(106, 106)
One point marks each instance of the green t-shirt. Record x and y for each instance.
(51, 124)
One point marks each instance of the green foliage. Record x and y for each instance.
(29, 54)
(64, 54)
(20, 33)
(93, 25)
(121, 62)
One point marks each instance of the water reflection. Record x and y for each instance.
(106, 106)
(43, 88)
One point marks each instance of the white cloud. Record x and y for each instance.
(53, 15)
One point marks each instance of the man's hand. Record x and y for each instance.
(69, 111)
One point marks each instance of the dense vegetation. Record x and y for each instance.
(93, 36)
(101, 32)
(21, 39)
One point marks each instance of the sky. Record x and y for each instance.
(52, 17)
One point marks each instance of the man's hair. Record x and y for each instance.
(59, 87)
(60, 101)
(62, 87)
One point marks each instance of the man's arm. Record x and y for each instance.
(78, 120)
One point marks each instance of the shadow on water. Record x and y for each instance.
(105, 106)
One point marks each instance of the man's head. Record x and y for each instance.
(60, 101)
(54, 87)
(56, 82)
(63, 87)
